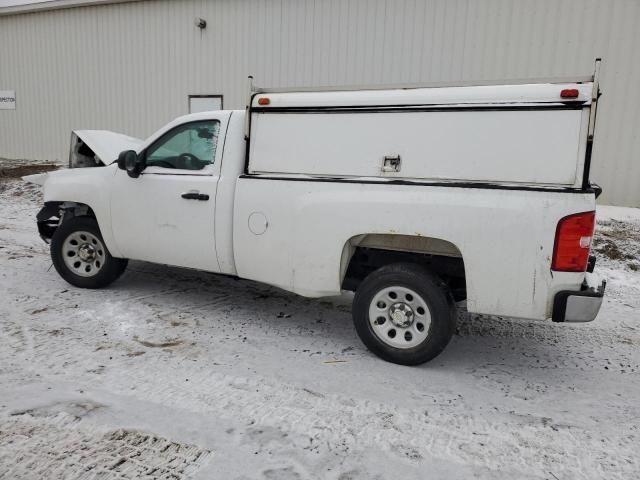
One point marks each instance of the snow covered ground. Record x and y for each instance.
(172, 373)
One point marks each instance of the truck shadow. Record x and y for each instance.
(209, 297)
(327, 322)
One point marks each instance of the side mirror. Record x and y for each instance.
(131, 162)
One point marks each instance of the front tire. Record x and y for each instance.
(80, 255)
(404, 314)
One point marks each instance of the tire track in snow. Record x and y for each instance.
(59, 448)
(472, 325)
(360, 425)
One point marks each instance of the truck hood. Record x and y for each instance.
(107, 145)
(69, 176)
(76, 176)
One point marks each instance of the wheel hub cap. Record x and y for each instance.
(401, 314)
(87, 252)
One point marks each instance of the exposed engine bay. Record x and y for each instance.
(97, 148)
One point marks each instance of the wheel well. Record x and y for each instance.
(365, 253)
(53, 213)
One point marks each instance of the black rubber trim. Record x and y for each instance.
(48, 219)
(596, 188)
(591, 263)
(486, 186)
(247, 137)
(50, 209)
(589, 150)
(560, 300)
(587, 164)
(419, 108)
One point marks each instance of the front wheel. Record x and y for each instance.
(404, 314)
(80, 255)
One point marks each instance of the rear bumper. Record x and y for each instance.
(582, 305)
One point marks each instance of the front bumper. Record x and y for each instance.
(582, 305)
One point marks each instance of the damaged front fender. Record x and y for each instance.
(37, 178)
(52, 214)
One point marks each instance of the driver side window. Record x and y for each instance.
(191, 146)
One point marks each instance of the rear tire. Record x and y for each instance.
(80, 255)
(404, 314)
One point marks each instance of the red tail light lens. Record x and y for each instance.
(573, 242)
(569, 93)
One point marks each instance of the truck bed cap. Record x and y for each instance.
(544, 93)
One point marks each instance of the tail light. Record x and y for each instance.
(573, 242)
(570, 93)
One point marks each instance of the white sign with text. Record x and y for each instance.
(7, 100)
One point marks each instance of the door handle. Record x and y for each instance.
(203, 197)
(391, 163)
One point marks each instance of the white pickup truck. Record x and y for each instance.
(414, 198)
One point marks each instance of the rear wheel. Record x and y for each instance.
(80, 255)
(404, 314)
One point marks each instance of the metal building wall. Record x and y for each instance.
(130, 66)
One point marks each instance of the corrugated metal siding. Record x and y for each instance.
(130, 67)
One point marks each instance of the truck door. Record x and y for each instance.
(166, 215)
